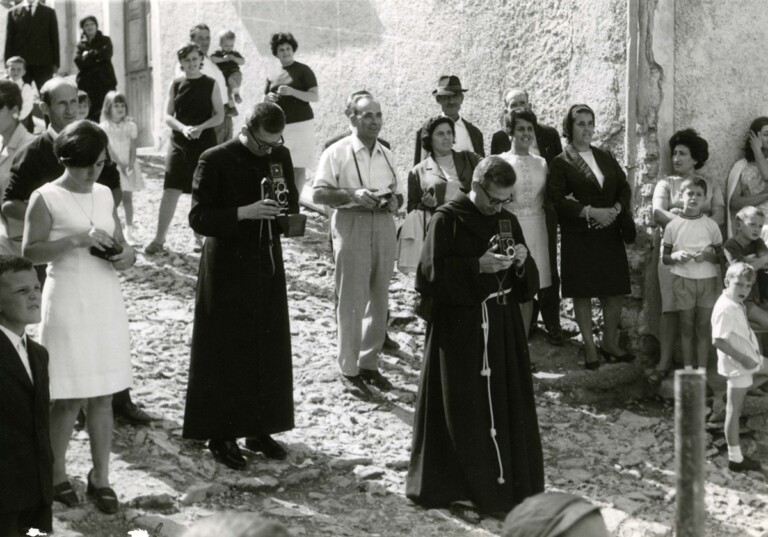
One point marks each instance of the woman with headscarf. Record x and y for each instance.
(94, 60)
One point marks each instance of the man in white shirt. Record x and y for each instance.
(450, 95)
(356, 176)
(200, 35)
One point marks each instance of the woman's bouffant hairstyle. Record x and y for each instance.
(10, 95)
(109, 101)
(188, 49)
(86, 19)
(280, 38)
(570, 117)
(511, 117)
(756, 126)
(697, 145)
(80, 144)
(429, 129)
(496, 170)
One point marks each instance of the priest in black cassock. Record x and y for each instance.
(476, 445)
(240, 372)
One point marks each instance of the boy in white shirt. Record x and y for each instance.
(16, 68)
(738, 356)
(692, 245)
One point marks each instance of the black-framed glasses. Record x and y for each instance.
(496, 201)
(266, 145)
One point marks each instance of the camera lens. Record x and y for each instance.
(282, 197)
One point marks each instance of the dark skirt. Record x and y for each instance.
(594, 264)
(183, 155)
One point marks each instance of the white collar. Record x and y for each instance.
(52, 133)
(15, 338)
(357, 144)
(457, 121)
(30, 3)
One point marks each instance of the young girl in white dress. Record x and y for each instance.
(122, 133)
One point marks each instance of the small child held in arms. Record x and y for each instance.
(83, 105)
(692, 245)
(229, 61)
(16, 68)
(738, 356)
(26, 473)
(747, 246)
(122, 134)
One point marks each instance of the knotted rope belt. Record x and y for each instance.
(486, 372)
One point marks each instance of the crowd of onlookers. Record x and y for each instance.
(480, 235)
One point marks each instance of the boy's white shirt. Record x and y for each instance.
(729, 322)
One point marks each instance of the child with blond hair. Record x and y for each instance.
(122, 134)
(738, 356)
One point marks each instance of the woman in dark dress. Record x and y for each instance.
(194, 108)
(592, 198)
(94, 60)
(292, 88)
(476, 444)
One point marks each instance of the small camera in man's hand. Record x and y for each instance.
(384, 200)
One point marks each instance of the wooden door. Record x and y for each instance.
(138, 68)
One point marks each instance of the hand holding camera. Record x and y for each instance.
(492, 261)
(366, 198)
(260, 210)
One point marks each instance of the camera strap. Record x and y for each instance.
(360, 177)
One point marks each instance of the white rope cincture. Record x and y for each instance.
(486, 372)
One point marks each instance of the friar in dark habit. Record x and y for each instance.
(240, 372)
(476, 445)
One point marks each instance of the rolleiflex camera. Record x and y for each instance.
(275, 188)
(384, 200)
(503, 243)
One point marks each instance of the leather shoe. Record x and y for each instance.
(266, 444)
(132, 414)
(555, 336)
(227, 453)
(375, 378)
(355, 386)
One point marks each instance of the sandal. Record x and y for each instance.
(465, 511)
(64, 493)
(104, 497)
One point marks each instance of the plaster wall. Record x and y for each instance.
(563, 51)
(720, 81)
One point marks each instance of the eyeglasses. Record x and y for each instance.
(266, 145)
(496, 201)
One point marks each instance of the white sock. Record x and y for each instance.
(734, 454)
(689, 368)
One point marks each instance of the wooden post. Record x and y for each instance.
(689, 453)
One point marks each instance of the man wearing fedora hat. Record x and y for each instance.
(449, 95)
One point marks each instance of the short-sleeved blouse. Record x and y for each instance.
(751, 184)
(668, 189)
(298, 76)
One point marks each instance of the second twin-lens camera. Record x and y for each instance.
(503, 243)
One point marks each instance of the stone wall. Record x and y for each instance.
(562, 50)
(720, 82)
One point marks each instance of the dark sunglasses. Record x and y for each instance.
(495, 201)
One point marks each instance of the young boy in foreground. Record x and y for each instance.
(26, 471)
(738, 356)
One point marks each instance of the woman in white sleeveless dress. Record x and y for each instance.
(529, 196)
(84, 321)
